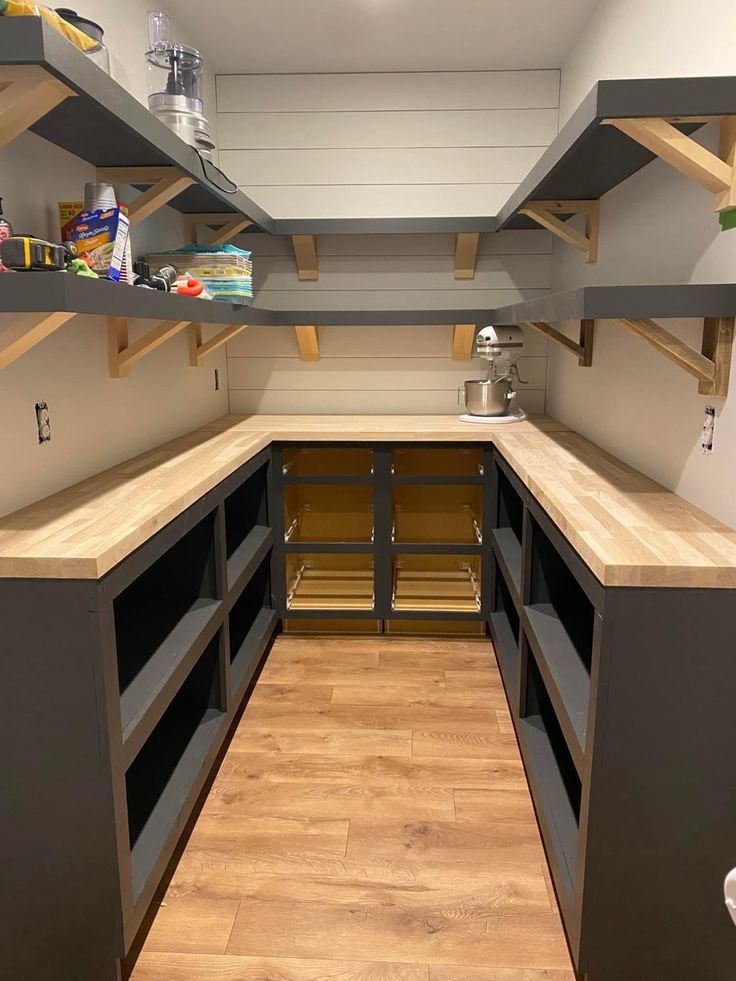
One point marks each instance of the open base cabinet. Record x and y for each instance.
(135, 680)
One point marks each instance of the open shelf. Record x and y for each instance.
(246, 523)
(587, 159)
(553, 779)
(329, 581)
(328, 513)
(437, 514)
(437, 462)
(252, 619)
(508, 552)
(107, 126)
(164, 778)
(313, 461)
(504, 620)
(160, 615)
(560, 621)
(441, 583)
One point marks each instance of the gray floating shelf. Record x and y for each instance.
(52, 292)
(611, 302)
(107, 126)
(586, 159)
(41, 292)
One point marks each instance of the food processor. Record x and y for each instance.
(491, 399)
(174, 76)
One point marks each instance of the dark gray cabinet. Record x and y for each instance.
(623, 703)
(117, 697)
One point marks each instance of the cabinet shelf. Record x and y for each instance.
(505, 623)
(251, 622)
(439, 463)
(440, 514)
(324, 581)
(554, 781)
(160, 616)
(507, 548)
(442, 583)
(328, 513)
(327, 462)
(559, 619)
(164, 779)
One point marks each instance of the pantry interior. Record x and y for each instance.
(310, 670)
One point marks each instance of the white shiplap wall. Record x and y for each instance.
(383, 145)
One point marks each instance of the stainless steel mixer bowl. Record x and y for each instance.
(489, 398)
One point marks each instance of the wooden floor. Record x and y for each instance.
(370, 821)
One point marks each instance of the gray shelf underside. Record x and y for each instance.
(108, 127)
(42, 292)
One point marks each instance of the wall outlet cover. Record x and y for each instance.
(43, 421)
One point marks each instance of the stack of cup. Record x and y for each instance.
(99, 197)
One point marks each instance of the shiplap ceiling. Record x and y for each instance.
(256, 36)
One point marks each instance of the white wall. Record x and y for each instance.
(415, 143)
(95, 421)
(656, 227)
(383, 144)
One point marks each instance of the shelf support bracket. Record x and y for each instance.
(545, 214)
(165, 184)
(27, 94)
(26, 332)
(307, 337)
(715, 173)
(463, 336)
(307, 259)
(583, 351)
(466, 253)
(711, 368)
(228, 226)
(121, 354)
(199, 350)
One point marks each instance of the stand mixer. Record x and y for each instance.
(491, 399)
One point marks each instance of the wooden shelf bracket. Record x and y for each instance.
(711, 366)
(545, 214)
(715, 173)
(27, 93)
(307, 337)
(26, 332)
(463, 336)
(466, 253)
(307, 258)
(121, 354)
(165, 184)
(199, 350)
(583, 350)
(228, 226)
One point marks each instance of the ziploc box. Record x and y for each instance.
(101, 237)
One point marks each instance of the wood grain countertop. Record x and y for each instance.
(627, 528)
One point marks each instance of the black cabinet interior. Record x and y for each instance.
(505, 620)
(245, 508)
(555, 779)
(162, 612)
(163, 773)
(556, 595)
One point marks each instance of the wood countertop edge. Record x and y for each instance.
(650, 572)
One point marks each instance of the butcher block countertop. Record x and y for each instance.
(628, 529)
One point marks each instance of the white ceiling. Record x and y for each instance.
(263, 36)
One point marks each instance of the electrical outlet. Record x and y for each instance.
(217, 380)
(709, 429)
(43, 421)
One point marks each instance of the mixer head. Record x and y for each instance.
(501, 346)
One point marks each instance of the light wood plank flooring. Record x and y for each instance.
(370, 822)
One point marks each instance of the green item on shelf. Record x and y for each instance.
(80, 268)
(727, 219)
